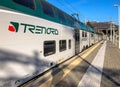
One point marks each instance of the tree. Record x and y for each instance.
(89, 24)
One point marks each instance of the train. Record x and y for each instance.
(35, 36)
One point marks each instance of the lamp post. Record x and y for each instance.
(110, 29)
(113, 27)
(118, 21)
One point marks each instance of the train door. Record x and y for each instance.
(77, 41)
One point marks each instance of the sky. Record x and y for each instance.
(92, 10)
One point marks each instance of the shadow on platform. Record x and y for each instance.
(9, 60)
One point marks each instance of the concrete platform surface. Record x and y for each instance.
(99, 66)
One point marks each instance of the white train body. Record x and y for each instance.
(30, 45)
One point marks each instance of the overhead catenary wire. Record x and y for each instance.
(62, 5)
(65, 7)
(70, 9)
(70, 5)
(76, 10)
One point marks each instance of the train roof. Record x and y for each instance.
(91, 29)
(86, 27)
(37, 9)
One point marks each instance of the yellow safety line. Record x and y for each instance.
(71, 66)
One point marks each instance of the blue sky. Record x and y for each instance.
(93, 10)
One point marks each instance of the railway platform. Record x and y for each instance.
(99, 66)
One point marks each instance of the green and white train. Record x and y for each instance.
(35, 36)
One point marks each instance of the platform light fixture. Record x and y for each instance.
(116, 5)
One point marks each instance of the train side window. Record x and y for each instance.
(61, 16)
(27, 3)
(47, 8)
(62, 45)
(69, 44)
(83, 34)
(70, 21)
(91, 35)
(49, 48)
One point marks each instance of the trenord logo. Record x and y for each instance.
(33, 29)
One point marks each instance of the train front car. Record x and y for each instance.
(33, 39)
